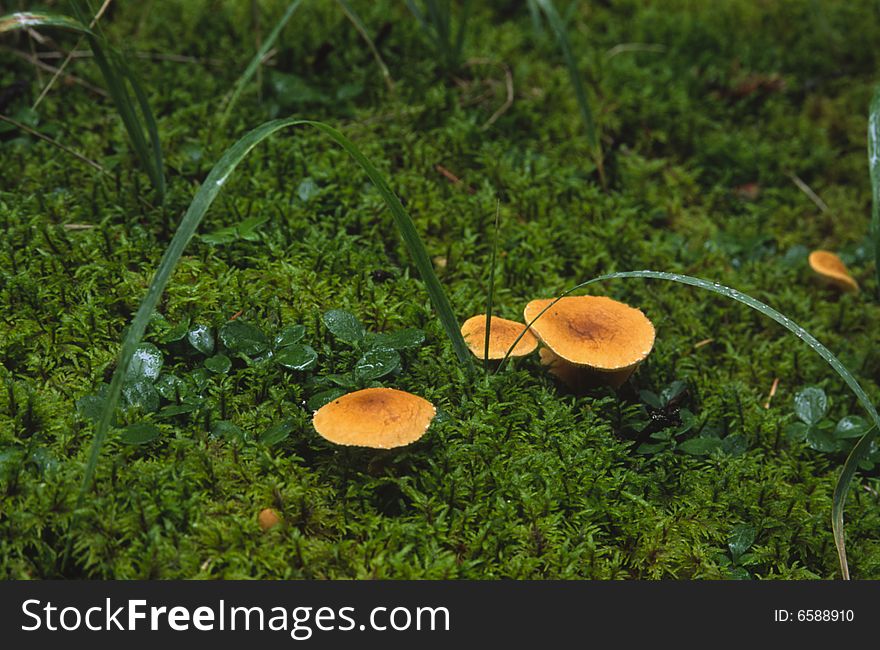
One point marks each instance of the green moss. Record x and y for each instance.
(519, 479)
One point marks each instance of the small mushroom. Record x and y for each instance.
(591, 339)
(382, 418)
(502, 334)
(268, 518)
(831, 268)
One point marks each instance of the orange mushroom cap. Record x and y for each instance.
(832, 268)
(593, 331)
(382, 418)
(268, 518)
(502, 334)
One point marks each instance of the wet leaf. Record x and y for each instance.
(821, 439)
(176, 333)
(170, 387)
(852, 426)
(344, 326)
(811, 405)
(242, 337)
(290, 335)
(399, 340)
(297, 357)
(90, 406)
(376, 364)
(740, 540)
(146, 364)
(219, 364)
(141, 394)
(324, 397)
(201, 338)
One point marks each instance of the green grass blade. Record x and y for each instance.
(857, 455)
(255, 63)
(190, 222)
(874, 166)
(861, 448)
(558, 27)
(490, 289)
(115, 74)
(26, 20)
(413, 242)
(352, 15)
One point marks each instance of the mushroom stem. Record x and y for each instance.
(582, 378)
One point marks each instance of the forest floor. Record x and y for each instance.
(711, 125)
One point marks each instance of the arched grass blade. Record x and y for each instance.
(118, 77)
(862, 447)
(191, 220)
(255, 63)
(874, 167)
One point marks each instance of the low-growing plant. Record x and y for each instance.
(818, 432)
(738, 558)
(378, 356)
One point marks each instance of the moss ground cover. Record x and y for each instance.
(682, 474)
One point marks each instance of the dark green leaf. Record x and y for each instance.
(344, 326)
(741, 539)
(376, 364)
(700, 446)
(650, 449)
(852, 426)
(219, 364)
(91, 406)
(244, 338)
(141, 394)
(811, 405)
(146, 364)
(297, 357)
(671, 392)
(399, 340)
(735, 444)
(139, 433)
(324, 397)
(651, 399)
(277, 432)
(797, 431)
(290, 335)
(293, 91)
(177, 409)
(170, 387)
(821, 439)
(176, 333)
(201, 338)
